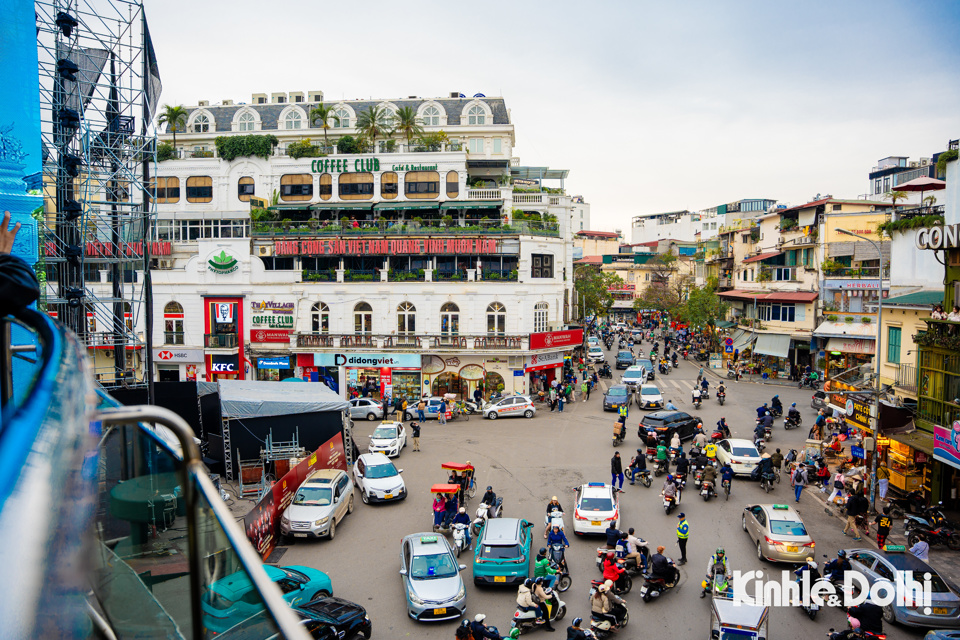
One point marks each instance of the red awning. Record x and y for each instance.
(770, 296)
(764, 256)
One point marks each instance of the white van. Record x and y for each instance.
(634, 376)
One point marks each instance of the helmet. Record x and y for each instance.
(669, 477)
(514, 633)
(720, 551)
(462, 510)
(528, 583)
(854, 623)
(538, 580)
(794, 404)
(610, 555)
(543, 551)
(764, 404)
(490, 488)
(608, 584)
(841, 554)
(776, 396)
(811, 563)
(479, 617)
(577, 622)
(767, 413)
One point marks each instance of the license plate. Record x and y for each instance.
(299, 535)
(440, 611)
(500, 578)
(940, 611)
(791, 549)
(643, 591)
(595, 523)
(387, 496)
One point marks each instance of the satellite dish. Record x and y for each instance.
(462, 96)
(479, 95)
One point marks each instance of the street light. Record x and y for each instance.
(876, 371)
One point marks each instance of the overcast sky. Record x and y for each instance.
(652, 106)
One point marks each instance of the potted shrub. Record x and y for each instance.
(866, 319)
(848, 319)
(831, 318)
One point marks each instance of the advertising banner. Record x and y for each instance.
(539, 361)
(372, 360)
(946, 444)
(270, 335)
(273, 363)
(363, 247)
(226, 363)
(858, 413)
(556, 339)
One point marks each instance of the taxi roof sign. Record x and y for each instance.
(595, 484)
(780, 507)
(894, 548)
(428, 539)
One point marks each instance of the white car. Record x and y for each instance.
(389, 439)
(510, 407)
(367, 408)
(593, 341)
(597, 508)
(649, 397)
(377, 479)
(634, 376)
(596, 354)
(741, 454)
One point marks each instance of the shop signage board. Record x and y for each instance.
(173, 354)
(380, 247)
(946, 444)
(556, 339)
(225, 363)
(539, 361)
(270, 335)
(273, 363)
(371, 360)
(852, 345)
(854, 284)
(857, 452)
(858, 413)
(941, 237)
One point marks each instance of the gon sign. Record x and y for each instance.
(934, 238)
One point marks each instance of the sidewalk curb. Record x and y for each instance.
(818, 496)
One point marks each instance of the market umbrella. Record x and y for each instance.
(922, 184)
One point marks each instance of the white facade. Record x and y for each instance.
(676, 225)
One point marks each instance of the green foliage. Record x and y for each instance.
(945, 157)
(407, 123)
(175, 118)
(166, 151)
(304, 149)
(787, 224)
(447, 220)
(866, 319)
(261, 215)
(895, 196)
(755, 235)
(593, 289)
(848, 319)
(431, 142)
(348, 145)
(231, 147)
(832, 318)
(375, 122)
(830, 267)
(888, 228)
(764, 275)
(703, 307)
(322, 116)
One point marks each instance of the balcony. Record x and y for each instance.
(907, 378)
(326, 275)
(358, 275)
(220, 340)
(865, 273)
(315, 340)
(346, 228)
(400, 275)
(944, 334)
(418, 342)
(449, 276)
(494, 275)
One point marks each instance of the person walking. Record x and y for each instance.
(571, 393)
(853, 510)
(415, 428)
(585, 390)
(798, 480)
(883, 480)
(616, 470)
(884, 522)
(421, 407)
(442, 412)
(683, 533)
(553, 398)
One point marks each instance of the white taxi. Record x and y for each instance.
(741, 454)
(597, 508)
(389, 439)
(510, 407)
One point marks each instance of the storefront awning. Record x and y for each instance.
(743, 338)
(863, 346)
(773, 344)
(724, 324)
(303, 206)
(763, 256)
(856, 329)
(342, 206)
(472, 204)
(406, 206)
(919, 440)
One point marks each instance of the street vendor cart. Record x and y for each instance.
(730, 620)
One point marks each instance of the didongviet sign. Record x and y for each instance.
(464, 246)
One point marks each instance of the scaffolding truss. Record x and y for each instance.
(98, 142)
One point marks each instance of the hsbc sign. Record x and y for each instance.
(168, 355)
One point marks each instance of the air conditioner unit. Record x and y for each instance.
(265, 251)
(779, 241)
(913, 164)
(165, 264)
(924, 162)
(203, 103)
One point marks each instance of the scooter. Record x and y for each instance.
(559, 562)
(767, 480)
(527, 620)
(619, 433)
(809, 383)
(554, 519)
(707, 491)
(697, 401)
(629, 564)
(661, 468)
(721, 397)
(776, 411)
(602, 628)
(768, 434)
(459, 537)
(605, 372)
(643, 477)
(483, 513)
(940, 535)
(698, 477)
(792, 423)
(912, 503)
(653, 585)
(669, 504)
(760, 444)
(731, 373)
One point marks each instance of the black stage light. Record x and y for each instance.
(67, 69)
(71, 164)
(72, 210)
(74, 297)
(68, 118)
(67, 23)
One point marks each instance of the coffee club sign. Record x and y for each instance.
(273, 315)
(361, 165)
(456, 246)
(940, 237)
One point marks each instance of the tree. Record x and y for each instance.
(894, 196)
(408, 124)
(703, 307)
(593, 290)
(175, 118)
(663, 267)
(323, 116)
(373, 123)
(658, 296)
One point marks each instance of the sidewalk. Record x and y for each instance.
(721, 374)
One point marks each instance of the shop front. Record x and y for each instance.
(372, 375)
(223, 348)
(847, 345)
(176, 364)
(946, 451)
(772, 355)
(274, 369)
(908, 458)
(542, 369)
(463, 375)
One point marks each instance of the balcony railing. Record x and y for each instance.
(315, 340)
(859, 272)
(484, 194)
(494, 274)
(326, 275)
(907, 378)
(400, 275)
(361, 275)
(537, 198)
(421, 341)
(344, 228)
(173, 337)
(454, 276)
(220, 340)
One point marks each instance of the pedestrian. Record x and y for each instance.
(421, 407)
(798, 480)
(442, 412)
(450, 509)
(838, 486)
(478, 396)
(439, 508)
(852, 511)
(683, 532)
(585, 390)
(415, 428)
(560, 403)
(553, 398)
(616, 470)
(921, 550)
(883, 479)
(571, 393)
(883, 527)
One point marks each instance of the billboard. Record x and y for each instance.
(946, 444)
(556, 339)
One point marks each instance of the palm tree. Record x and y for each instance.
(408, 123)
(893, 196)
(323, 115)
(175, 118)
(375, 122)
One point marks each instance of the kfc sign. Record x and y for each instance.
(556, 339)
(225, 363)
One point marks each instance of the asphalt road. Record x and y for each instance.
(527, 462)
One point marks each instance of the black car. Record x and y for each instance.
(668, 422)
(625, 360)
(615, 396)
(323, 618)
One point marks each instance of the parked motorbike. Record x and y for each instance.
(558, 561)
(913, 502)
(731, 373)
(483, 513)
(940, 535)
(809, 383)
(654, 585)
(721, 397)
(527, 620)
(459, 538)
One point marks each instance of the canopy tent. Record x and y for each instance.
(773, 344)
(743, 338)
(260, 399)
(859, 330)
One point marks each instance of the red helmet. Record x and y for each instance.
(610, 555)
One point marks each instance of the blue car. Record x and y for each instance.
(625, 360)
(232, 599)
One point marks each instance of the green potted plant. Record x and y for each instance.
(866, 319)
(848, 319)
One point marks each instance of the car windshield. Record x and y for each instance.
(440, 565)
(937, 585)
(381, 471)
(630, 375)
(500, 552)
(654, 423)
(746, 452)
(596, 504)
(646, 363)
(315, 496)
(615, 391)
(387, 433)
(787, 528)
(626, 355)
(650, 392)
(596, 350)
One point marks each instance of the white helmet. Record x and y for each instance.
(480, 617)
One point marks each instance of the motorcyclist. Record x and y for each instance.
(702, 461)
(662, 457)
(718, 561)
(661, 567)
(613, 570)
(793, 414)
(759, 432)
(490, 499)
(765, 466)
(767, 421)
(603, 604)
(525, 601)
(869, 615)
(670, 406)
(776, 404)
(554, 504)
(809, 566)
(670, 489)
(705, 386)
(479, 630)
(695, 395)
(721, 390)
(762, 411)
(557, 536)
(542, 568)
(633, 549)
(574, 632)
(463, 518)
(637, 465)
(683, 466)
(613, 535)
(540, 597)
(836, 568)
(710, 475)
(700, 440)
(723, 428)
(726, 473)
(675, 441)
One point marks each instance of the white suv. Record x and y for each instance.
(377, 479)
(634, 376)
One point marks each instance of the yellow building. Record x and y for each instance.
(897, 354)
(596, 243)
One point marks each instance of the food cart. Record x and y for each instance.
(466, 469)
(730, 620)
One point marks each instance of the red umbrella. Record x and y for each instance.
(922, 184)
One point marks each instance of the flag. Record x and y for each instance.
(151, 81)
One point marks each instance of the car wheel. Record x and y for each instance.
(364, 497)
(371, 416)
(333, 528)
(888, 614)
(408, 417)
(323, 593)
(492, 415)
(760, 552)
(350, 505)
(743, 521)
(528, 413)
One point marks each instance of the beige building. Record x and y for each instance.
(897, 355)
(596, 243)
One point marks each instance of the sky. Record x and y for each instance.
(652, 106)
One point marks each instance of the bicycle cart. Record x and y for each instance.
(446, 489)
(730, 620)
(469, 488)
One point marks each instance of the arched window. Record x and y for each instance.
(172, 323)
(363, 318)
(343, 119)
(541, 313)
(320, 318)
(431, 117)
(293, 120)
(246, 122)
(453, 184)
(406, 318)
(201, 124)
(476, 115)
(496, 319)
(449, 319)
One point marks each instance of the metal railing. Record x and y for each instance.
(434, 226)
(220, 340)
(315, 340)
(907, 378)
(449, 276)
(326, 275)
(859, 272)
(496, 274)
(430, 341)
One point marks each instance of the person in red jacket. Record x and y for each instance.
(613, 571)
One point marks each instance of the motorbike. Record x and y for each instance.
(621, 590)
(768, 434)
(559, 562)
(697, 477)
(619, 433)
(483, 513)
(776, 411)
(669, 504)
(726, 488)
(602, 628)
(697, 401)
(913, 502)
(716, 585)
(940, 535)
(685, 353)
(760, 444)
(810, 383)
(629, 564)
(527, 620)
(459, 538)
(721, 397)
(661, 468)
(707, 491)
(643, 477)
(731, 373)
(655, 585)
(605, 372)
(792, 423)
(554, 519)
(767, 480)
